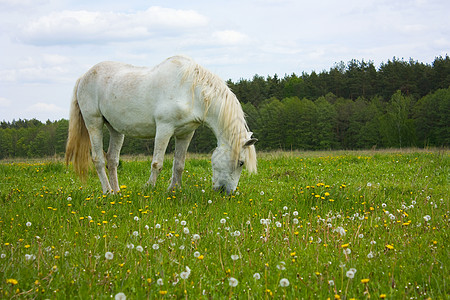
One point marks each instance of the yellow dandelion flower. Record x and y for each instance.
(200, 257)
(390, 247)
(162, 292)
(366, 280)
(382, 296)
(344, 245)
(12, 281)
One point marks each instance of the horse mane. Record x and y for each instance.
(217, 94)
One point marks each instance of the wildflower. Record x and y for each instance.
(233, 281)
(365, 280)
(109, 255)
(30, 256)
(281, 266)
(155, 246)
(340, 230)
(382, 296)
(284, 282)
(196, 237)
(159, 281)
(120, 296)
(12, 281)
(28, 224)
(139, 248)
(350, 274)
(427, 218)
(256, 276)
(390, 247)
(234, 257)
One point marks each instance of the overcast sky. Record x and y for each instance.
(45, 45)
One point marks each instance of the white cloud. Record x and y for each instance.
(4, 102)
(229, 37)
(81, 26)
(42, 107)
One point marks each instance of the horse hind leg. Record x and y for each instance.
(96, 136)
(112, 156)
(181, 146)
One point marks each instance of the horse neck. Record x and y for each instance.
(213, 121)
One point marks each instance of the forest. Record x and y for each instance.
(353, 105)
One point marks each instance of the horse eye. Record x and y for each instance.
(241, 163)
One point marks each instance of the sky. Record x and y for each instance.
(45, 45)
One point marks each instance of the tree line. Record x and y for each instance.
(351, 106)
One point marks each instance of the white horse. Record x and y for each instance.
(171, 99)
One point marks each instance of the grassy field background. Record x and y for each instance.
(336, 225)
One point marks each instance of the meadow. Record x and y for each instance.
(309, 225)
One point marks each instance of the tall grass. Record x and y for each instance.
(308, 225)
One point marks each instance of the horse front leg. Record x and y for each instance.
(181, 146)
(162, 138)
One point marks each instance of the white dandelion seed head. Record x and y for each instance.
(331, 282)
(184, 275)
(285, 208)
(109, 255)
(196, 237)
(3, 255)
(28, 224)
(69, 198)
(159, 281)
(181, 247)
(196, 254)
(347, 251)
(350, 274)
(223, 221)
(256, 276)
(234, 257)
(278, 224)
(136, 218)
(120, 296)
(130, 246)
(361, 235)
(370, 255)
(155, 246)
(233, 281)
(157, 226)
(284, 282)
(139, 248)
(427, 218)
(30, 256)
(237, 233)
(136, 233)
(183, 223)
(261, 193)
(209, 201)
(186, 230)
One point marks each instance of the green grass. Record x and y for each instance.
(381, 200)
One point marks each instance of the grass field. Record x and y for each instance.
(336, 225)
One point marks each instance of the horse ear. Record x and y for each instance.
(250, 142)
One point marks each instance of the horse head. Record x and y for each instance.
(227, 167)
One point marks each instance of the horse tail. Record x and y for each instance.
(78, 142)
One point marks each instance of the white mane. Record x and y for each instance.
(216, 93)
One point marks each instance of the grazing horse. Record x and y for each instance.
(171, 99)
